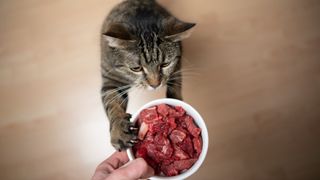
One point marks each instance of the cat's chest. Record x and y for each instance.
(139, 97)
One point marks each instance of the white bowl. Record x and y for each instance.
(198, 120)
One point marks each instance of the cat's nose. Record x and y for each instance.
(154, 86)
(154, 82)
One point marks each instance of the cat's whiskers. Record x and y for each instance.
(126, 98)
(186, 60)
(183, 73)
(135, 84)
(169, 84)
(189, 64)
(173, 87)
(115, 90)
(186, 70)
(181, 77)
(118, 95)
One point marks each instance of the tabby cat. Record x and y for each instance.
(140, 47)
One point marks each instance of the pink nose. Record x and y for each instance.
(154, 82)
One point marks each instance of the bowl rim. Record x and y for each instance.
(198, 120)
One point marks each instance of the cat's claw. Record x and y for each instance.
(134, 141)
(133, 128)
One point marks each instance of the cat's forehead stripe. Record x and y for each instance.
(150, 49)
(145, 52)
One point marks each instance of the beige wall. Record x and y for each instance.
(254, 74)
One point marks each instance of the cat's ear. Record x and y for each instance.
(118, 36)
(176, 30)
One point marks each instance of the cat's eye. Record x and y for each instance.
(136, 69)
(166, 64)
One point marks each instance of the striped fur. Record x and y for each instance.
(138, 36)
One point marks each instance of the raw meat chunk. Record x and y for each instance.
(179, 111)
(169, 170)
(163, 109)
(149, 115)
(197, 145)
(187, 146)
(184, 164)
(177, 136)
(179, 153)
(192, 128)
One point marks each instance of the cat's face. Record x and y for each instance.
(149, 59)
(151, 66)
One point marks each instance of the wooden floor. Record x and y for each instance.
(255, 79)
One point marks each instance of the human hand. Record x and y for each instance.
(117, 168)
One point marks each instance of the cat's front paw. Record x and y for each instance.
(123, 133)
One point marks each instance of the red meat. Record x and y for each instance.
(184, 164)
(192, 128)
(182, 123)
(171, 122)
(163, 109)
(149, 115)
(170, 141)
(177, 136)
(152, 152)
(197, 145)
(179, 111)
(187, 146)
(179, 153)
(163, 145)
(148, 137)
(169, 170)
(154, 165)
(141, 152)
(159, 127)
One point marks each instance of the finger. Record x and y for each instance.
(136, 169)
(115, 161)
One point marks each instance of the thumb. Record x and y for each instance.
(134, 170)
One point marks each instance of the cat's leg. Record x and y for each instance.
(174, 87)
(123, 133)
